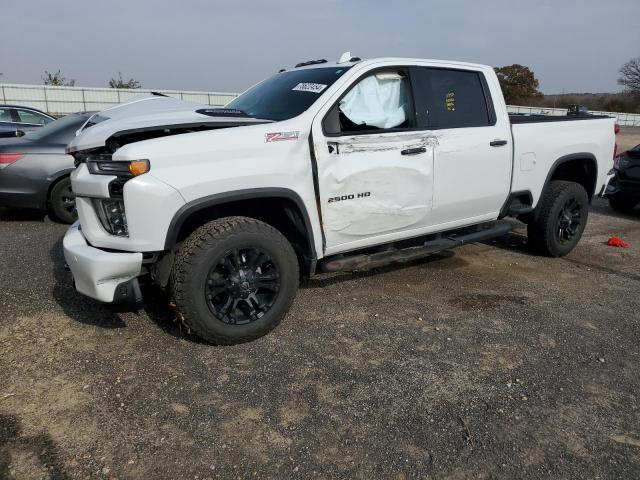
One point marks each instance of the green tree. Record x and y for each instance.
(630, 75)
(519, 84)
(121, 83)
(57, 79)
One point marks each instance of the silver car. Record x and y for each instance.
(34, 170)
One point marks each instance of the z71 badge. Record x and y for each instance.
(350, 196)
(280, 136)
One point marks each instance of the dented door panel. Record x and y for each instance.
(369, 188)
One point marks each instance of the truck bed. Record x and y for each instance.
(539, 143)
(537, 118)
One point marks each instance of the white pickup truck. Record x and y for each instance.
(323, 167)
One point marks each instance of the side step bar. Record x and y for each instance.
(350, 263)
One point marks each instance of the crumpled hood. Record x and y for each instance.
(147, 113)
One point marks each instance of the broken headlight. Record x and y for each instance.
(112, 216)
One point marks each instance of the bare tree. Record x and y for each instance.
(57, 79)
(121, 83)
(630, 75)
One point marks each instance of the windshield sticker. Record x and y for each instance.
(280, 136)
(309, 87)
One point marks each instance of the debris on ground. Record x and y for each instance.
(617, 242)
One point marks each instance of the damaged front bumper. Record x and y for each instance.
(107, 276)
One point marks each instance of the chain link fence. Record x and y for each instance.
(63, 100)
(622, 119)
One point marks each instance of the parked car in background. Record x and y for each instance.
(34, 170)
(15, 119)
(577, 110)
(624, 189)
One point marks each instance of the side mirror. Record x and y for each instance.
(20, 133)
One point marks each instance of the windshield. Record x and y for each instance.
(287, 94)
(61, 130)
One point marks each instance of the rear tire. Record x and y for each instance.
(234, 279)
(560, 219)
(622, 203)
(62, 202)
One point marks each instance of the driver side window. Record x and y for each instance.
(378, 102)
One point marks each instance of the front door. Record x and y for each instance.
(375, 170)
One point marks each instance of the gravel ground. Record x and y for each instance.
(628, 137)
(486, 362)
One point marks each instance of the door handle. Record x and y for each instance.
(413, 151)
(498, 143)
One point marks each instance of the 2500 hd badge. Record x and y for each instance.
(350, 196)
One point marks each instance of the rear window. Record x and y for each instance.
(59, 131)
(449, 98)
(287, 94)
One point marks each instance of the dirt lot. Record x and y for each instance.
(483, 363)
(628, 137)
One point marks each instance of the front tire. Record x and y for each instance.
(234, 279)
(62, 201)
(559, 219)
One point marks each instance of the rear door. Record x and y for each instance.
(473, 156)
(374, 168)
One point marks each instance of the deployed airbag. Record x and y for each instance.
(378, 101)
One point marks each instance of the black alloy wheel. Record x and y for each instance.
(233, 279)
(63, 201)
(242, 285)
(569, 220)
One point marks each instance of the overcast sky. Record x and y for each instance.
(575, 45)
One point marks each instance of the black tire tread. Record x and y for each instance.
(53, 209)
(538, 232)
(201, 239)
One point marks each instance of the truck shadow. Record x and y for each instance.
(158, 308)
(78, 307)
(90, 312)
(327, 279)
(513, 241)
(40, 447)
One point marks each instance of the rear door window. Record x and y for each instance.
(448, 98)
(35, 118)
(5, 115)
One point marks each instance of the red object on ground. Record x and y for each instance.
(617, 242)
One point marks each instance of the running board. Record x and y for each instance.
(348, 263)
